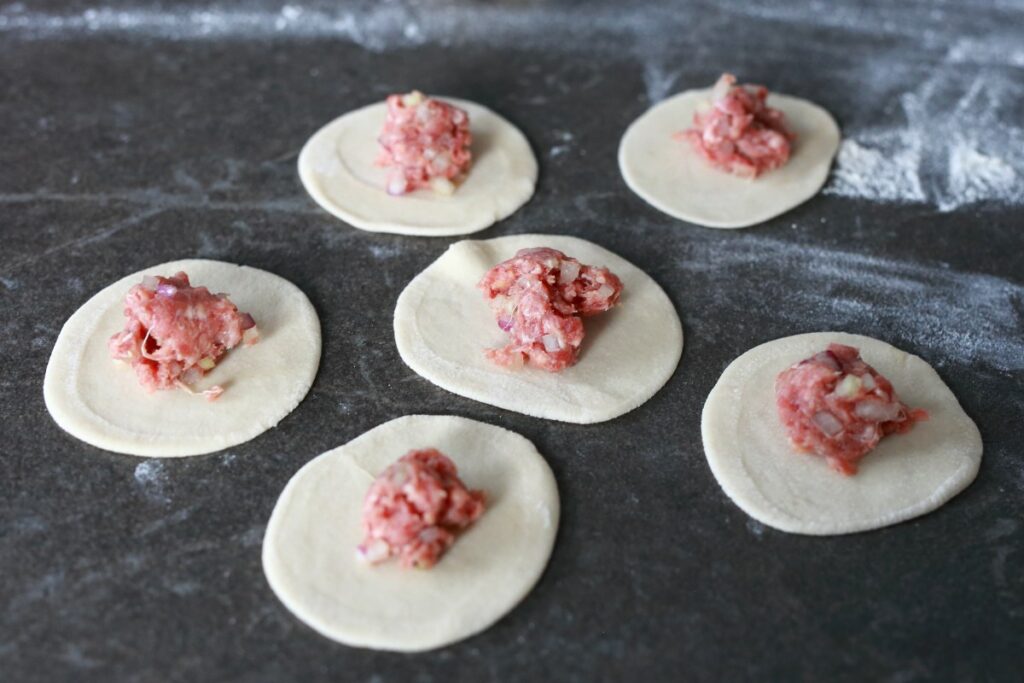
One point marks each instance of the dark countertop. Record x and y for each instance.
(139, 132)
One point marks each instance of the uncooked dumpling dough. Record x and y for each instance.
(669, 175)
(99, 400)
(338, 170)
(443, 324)
(905, 476)
(309, 551)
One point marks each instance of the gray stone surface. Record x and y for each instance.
(134, 133)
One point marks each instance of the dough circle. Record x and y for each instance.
(337, 168)
(907, 475)
(670, 176)
(100, 401)
(443, 324)
(309, 548)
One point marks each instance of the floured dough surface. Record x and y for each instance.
(443, 324)
(907, 475)
(99, 400)
(309, 548)
(669, 175)
(337, 168)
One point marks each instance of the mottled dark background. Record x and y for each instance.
(138, 132)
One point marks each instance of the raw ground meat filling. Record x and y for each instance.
(739, 133)
(835, 405)
(538, 297)
(415, 508)
(426, 141)
(175, 332)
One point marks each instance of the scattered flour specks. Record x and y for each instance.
(151, 478)
(967, 318)
(658, 82)
(384, 251)
(961, 143)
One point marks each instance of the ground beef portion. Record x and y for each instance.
(835, 405)
(539, 297)
(739, 133)
(415, 508)
(175, 332)
(426, 142)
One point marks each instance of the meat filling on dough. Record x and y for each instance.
(539, 297)
(426, 144)
(414, 509)
(175, 333)
(739, 133)
(835, 405)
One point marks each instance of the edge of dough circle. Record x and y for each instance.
(336, 166)
(99, 400)
(443, 324)
(671, 177)
(905, 476)
(309, 556)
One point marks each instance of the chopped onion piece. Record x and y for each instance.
(251, 336)
(207, 363)
(876, 410)
(569, 272)
(376, 551)
(213, 393)
(848, 387)
(551, 343)
(827, 423)
(442, 186)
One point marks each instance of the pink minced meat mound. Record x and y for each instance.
(739, 133)
(415, 508)
(835, 405)
(539, 297)
(426, 142)
(175, 332)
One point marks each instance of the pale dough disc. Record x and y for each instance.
(309, 548)
(905, 476)
(443, 324)
(669, 175)
(337, 168)
(100, 401)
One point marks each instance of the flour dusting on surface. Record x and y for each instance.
(966, 318)
(150, 477)
(961, 143)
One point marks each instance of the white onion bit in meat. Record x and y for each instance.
(551, 343)
(570, 270)
(827, 423)
(877, 411)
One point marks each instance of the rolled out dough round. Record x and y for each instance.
(670, 176)
(907, 475)
(337, 168)
(309, 549)
(99, 400)
(443, 324)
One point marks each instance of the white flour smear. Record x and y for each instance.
(967, 318)
(962, 143)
